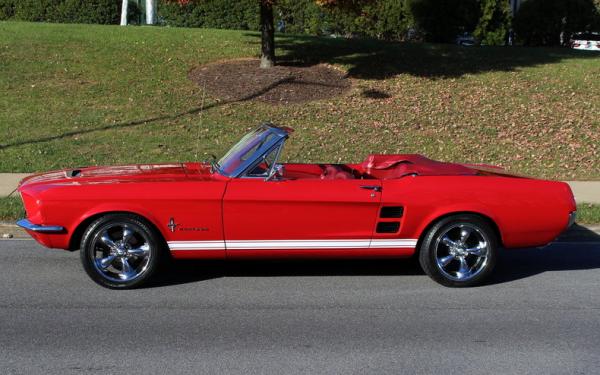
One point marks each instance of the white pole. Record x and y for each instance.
(150, 12)
(124, 12)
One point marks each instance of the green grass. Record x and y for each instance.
(12, 209)
(588, 213)
(73, 95)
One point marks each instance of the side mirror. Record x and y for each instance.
(276, 172)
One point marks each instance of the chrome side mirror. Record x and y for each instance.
(276, 172)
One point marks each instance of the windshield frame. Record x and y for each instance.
(268, 136)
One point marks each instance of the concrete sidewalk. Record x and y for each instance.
(585, 191)
(9, 182)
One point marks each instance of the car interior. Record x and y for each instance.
(381, 167)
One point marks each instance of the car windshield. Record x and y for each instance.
(243, 150)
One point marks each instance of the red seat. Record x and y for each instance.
(334, 172)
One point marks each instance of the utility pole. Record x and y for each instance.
(124, 4)
(150, 12)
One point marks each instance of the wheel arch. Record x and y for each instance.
(86, 220)
(438, 218)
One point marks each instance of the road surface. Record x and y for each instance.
(541, 314)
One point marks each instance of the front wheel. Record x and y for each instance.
(120, 251)
(459, 251)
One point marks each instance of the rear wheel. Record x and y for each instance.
(120, 251)
(459, 251)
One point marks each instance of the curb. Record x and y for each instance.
(578, 232)
(11, 231)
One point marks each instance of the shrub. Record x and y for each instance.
(494, 22)
(7, 9)
(386, 19)
(86, 11)
(301, 16)
(67, 11)
(35, 10)
(541, 22)
(220, 14)
(442, 20)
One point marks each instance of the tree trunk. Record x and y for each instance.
(150, 12)
(124, 5)
(267, 58)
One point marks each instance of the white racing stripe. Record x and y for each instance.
(292, 244)
(298, 244)
(391, 243)
(196, 245)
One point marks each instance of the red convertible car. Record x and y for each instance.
(453, 217)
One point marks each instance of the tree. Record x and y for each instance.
(267, 34)
(267, 25)
(267, 58)
(542, 22)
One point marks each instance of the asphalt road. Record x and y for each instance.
(540, 315)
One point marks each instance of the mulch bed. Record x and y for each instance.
(244, 80)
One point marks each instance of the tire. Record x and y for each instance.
(459, 251)
(121, 251)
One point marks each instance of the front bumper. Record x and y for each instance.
(28, 225)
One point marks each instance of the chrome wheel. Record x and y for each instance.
(461, 251)
(121, 252)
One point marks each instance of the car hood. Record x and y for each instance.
(119, 173)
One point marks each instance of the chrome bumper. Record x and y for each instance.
(26, 224)
(572, 218)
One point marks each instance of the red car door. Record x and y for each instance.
(309, 217)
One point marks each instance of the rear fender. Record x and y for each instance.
(475, 209)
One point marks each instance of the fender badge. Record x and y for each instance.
(172, 225)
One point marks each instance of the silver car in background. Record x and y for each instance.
(589, 41)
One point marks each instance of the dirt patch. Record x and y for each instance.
(244, 80)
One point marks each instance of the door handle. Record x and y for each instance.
(371, 187)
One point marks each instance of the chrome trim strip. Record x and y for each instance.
(26, 224)
(292, 244)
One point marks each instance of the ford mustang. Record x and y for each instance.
(455, 218)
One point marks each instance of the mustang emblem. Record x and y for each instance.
(172, 225)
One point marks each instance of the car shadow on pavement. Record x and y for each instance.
(189, 271)
(578, 249)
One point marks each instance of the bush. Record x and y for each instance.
(541, 22)
(386, 19)
(219, 14)
(35, 10)
(494, 22)
(86, 11)
(302, 17)
(443, 20)
(7, 9)
(66, 11)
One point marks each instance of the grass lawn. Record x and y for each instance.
(73, 95)
(12, 209)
